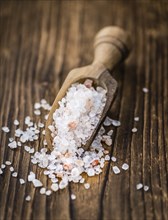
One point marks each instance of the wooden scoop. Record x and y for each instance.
(111, 46)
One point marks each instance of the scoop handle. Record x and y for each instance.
(111, 46)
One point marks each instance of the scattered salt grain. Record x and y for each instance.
(14, 174)
(116, 123)
(3, 166)
(28, 198)
(12, 145)
(21, 181)
(48, 192)
(31, 176)
(125, 166)
(136, 119)
(73, 197)
(146, 188)
(54, 187)
(16, 122)
(91, 172)
(42, 190)
(37, 183)
(11, 169)
(116, 170)
(107, 158)
(114, 159)
(110, 133)
(37, 105)
(37, 112)
(139, 186)
(1, 171)
(5, 129)
(134, 130)
(11, 139)
(8, 163)
(19, 144)
(27, 148)
(107, 121)
(87, 185)
(145, 90)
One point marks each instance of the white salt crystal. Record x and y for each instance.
(43, 132)
(14, 174)
(31, 176)
(87, 185)
(28, 198)
(90, 172)
(37, 183)
(114, 159)
(82, 180)
(1, 171)
(12, 145)
(134, 130)
(16, 122)
(19, 144)
(107, 158)
(48, 192)
(11, 139)
(37, 112)
(136, 119)
(5, 129)
(125, 166)
(21, 181)
(75, 172)
(116, 123)
(110, 133)
(27, 148)
(54, 187)
(73, 197)
(11, 169)
(37, 105)
(41, 125)
(116, 170)
(108, 141)
(146, 188)
(8, 163)
(145, 90)
(3, 166)
(107, 121)
(139, 186)
(42, 190)
(63, 184)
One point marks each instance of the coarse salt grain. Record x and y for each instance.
(28, 198)
(37, 183)
(87, 185)
(125, 166)
(14, 174)
(48, 192)
(145, 90)
(37, 112)
(116, 170)
(114, 159)
(136, 119)
(5, 129)
(3, 166)
(11, 169)
(37, 105)
(146, 188)
(22, 181)
(73, 197)
(8, 163)
(139, 186)
(42, 190)
(134, 130)
(1, 171)
(54, 187)
(107, 158)
(116, 123)
(16, 122)
(12, 145)
(31, 176)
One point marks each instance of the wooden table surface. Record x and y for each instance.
(40, 42)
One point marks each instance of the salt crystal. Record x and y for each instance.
(37, 112)
(107, 158)
(116, 170)
(8, 163)
(42, 190)
(14, 174)
(114, 159)
(1, 171)
(16, 122)
(31, 151)
(75, 172)
(37, 105)
(145, 90)
(134, 130)
(110, 133)
(48, 192)
(125, 166)
(146, 188)
(136, 119)
(31, 176)
(5, 129)
(3, 166)
(12, 145)
(11, 169)
(41, 125)
(108, 141)
(87, 185)
(54, 187)
(19, 144)
(27, 148)
(21, 181)
(28, 198)
(37, 183)
(73, 197)
(139, 186)
(11, 139)
(90, 172)
(107, 121)
(116, 123)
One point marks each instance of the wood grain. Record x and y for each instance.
(40, 42)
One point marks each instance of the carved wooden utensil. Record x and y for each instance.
(111, 46)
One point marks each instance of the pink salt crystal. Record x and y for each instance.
(88, 83)
(72, 125)
(95, 163)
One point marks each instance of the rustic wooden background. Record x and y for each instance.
(40, 42)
